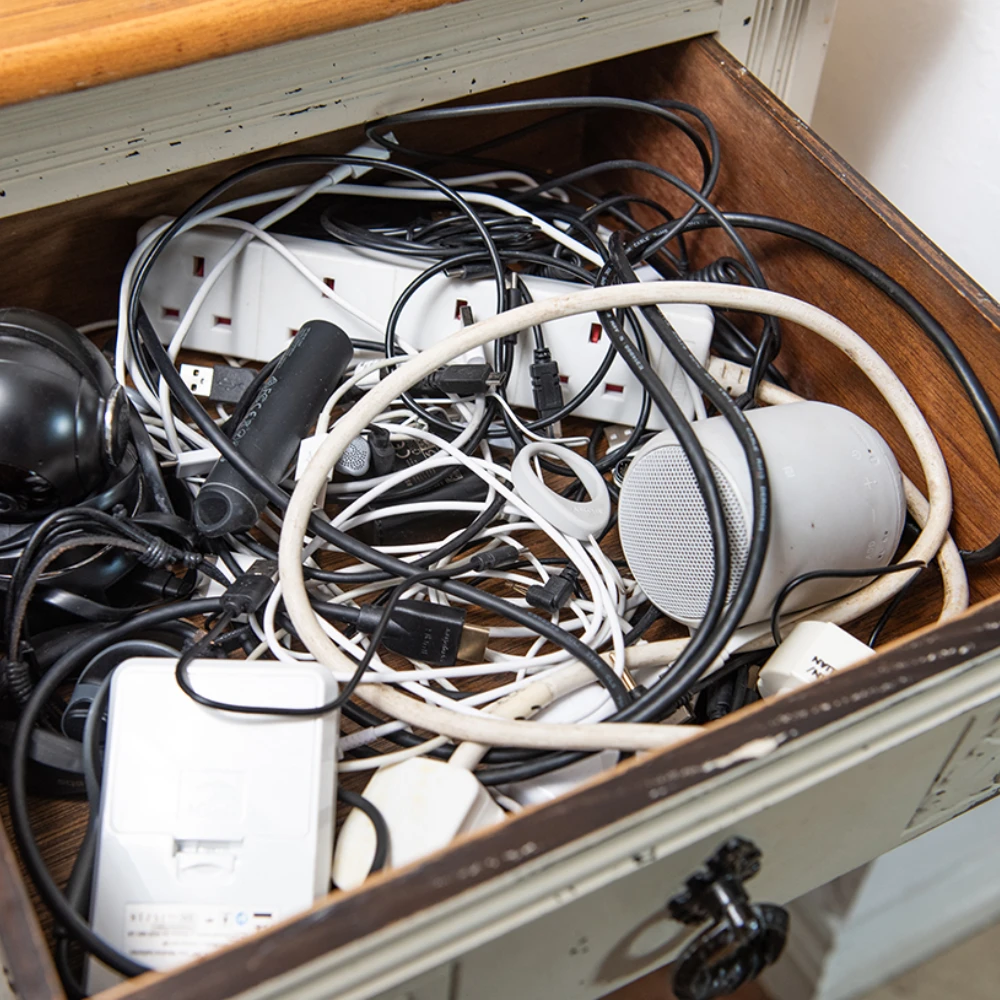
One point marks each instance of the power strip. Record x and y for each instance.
(261, 300)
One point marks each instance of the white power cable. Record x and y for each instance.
(364, 369)
(479, 198)
(608, 735)
(526, 182)
(385, 759)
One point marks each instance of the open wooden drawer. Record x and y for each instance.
(568, 900)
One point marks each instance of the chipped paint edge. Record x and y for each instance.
(71, 145)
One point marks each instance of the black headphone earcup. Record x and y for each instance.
(64, 416)
(90, 441)
(114, 427)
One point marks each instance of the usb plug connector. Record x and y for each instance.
(218, 383)
(462, 380)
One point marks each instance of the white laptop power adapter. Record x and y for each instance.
(213, 825)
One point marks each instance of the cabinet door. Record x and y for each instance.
(569, 900)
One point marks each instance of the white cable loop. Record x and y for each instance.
(608, 735)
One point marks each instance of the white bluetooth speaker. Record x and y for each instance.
(837, 503)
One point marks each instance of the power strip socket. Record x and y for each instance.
(261, 300)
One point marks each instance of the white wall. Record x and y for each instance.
(910, 95)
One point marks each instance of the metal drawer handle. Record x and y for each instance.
(744, 939)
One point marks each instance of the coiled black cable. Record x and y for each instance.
(53, 897)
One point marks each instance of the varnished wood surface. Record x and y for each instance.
(54, 46)
(772, 164)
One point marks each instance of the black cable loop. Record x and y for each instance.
(724, 271)
(157, 554)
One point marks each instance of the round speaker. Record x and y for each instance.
(836, 497)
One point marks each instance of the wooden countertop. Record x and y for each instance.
(54, 46)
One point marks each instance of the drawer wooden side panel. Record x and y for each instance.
(773, 164)
(26, 965)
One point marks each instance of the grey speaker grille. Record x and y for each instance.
(665, 535)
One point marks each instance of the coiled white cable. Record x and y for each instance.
(480, 729)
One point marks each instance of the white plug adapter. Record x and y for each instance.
(425, 804)
(213, 825)
(811, 651)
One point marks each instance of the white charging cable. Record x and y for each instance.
(546, 735)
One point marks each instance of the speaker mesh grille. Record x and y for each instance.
(665, 534)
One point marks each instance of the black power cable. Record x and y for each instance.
(709, 640)
(653, 239)
(346, 692)
(150, 465)
(893, 606)
(571, 405)
(61, 907)
(667, 111)
(831, 574)
(701, 468)
(377, 820)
